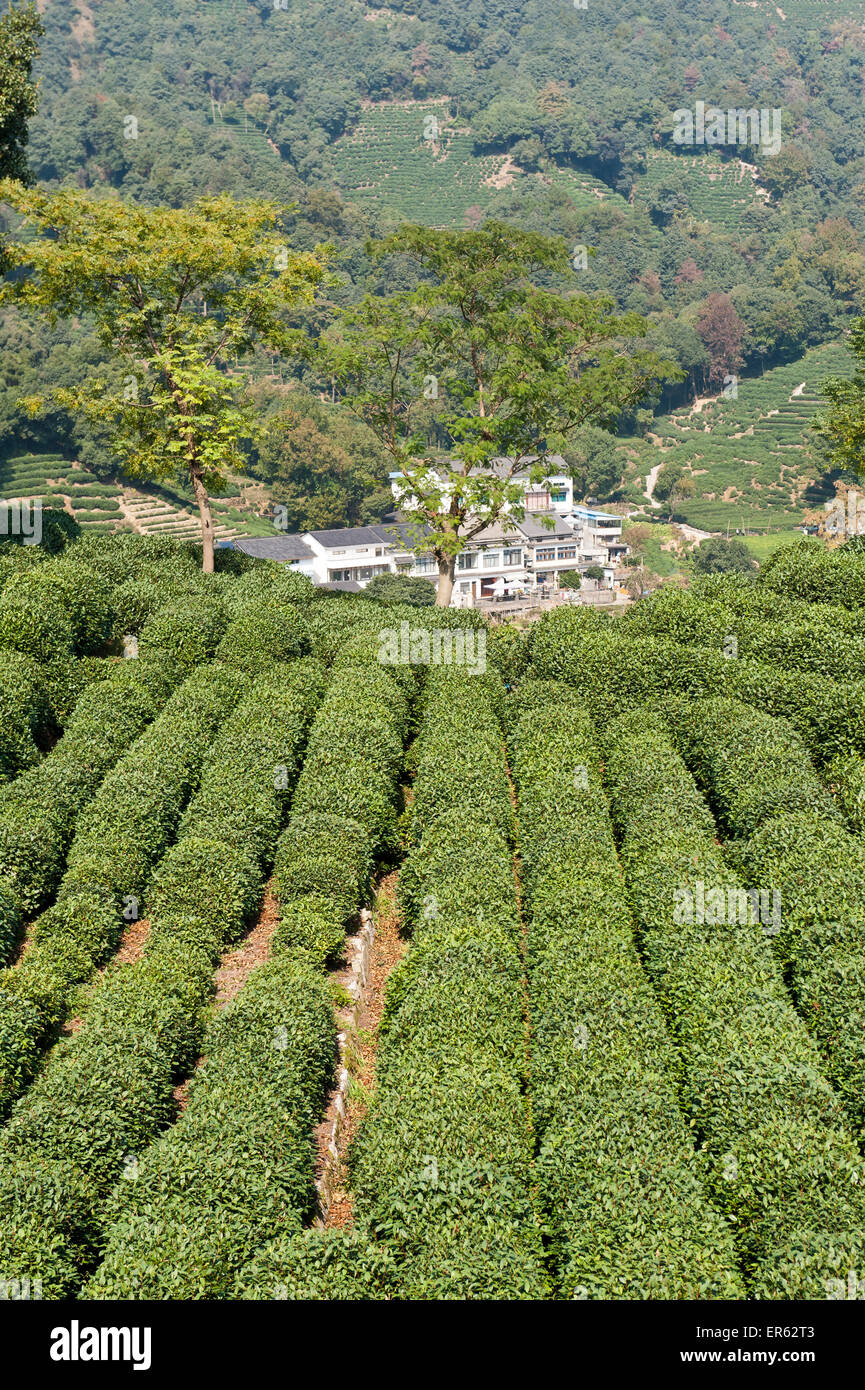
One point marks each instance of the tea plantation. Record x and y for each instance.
(617, 1046)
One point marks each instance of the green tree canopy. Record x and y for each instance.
(716, 555)
(19, 31)
(506, 368)
(177, 295)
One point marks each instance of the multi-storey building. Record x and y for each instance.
(523, 555)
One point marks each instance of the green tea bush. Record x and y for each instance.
(618, 1176)
(39, 812)
(191, 630)
(105, 1092)
(819, 870)
(808, 570)
(354, 757)
(336, 1265)
(749, 764)
(119, 837)
(441, 1168)
(33, 620)
(846, 777)
(777, 1156)
(614, 671)
(458, 752)
(265, 631)
(10, 922)
(235, 1168)
(23, 712)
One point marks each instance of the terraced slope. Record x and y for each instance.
(751, 456)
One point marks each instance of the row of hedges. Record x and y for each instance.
(616, 1168)
(39, 810)
(442, 1167)
(809, 571)
(55, 609)
(748, 763)
(345, 808)
(846, 777)
(23, 712)
(804, 637)
(236, 1172)
(777, 1156)
(120, 835)
(762, 784)
(615, 669)
(236, 1169)
(108, 1090)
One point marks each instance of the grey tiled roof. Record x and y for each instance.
(274, 547)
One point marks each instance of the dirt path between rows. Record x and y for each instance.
(359, 1024)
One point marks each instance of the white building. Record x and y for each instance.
(524, 555)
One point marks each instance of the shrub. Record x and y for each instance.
(39, 813)
(441, 1167)
(751, 1081)
(354, 757)
(331, 1265)
(10, 922)
(819, 871)
(265, 631)
(327, 855)
(750, 765)
(235, 1168)
(143, 1024)
(190, 630)
(618, 1175)
(310, 923)
(33, 620)
(23, 711)
(846, 776)
(392, 589)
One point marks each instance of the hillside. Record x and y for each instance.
(752, 459)
(120, 506)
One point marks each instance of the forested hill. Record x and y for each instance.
(544, 114)
(543, 80)
(441, 111)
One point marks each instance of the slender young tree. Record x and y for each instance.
(176, 296)
(501, 368)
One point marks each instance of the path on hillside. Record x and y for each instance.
(651, 479)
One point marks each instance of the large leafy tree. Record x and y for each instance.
(506, 367)
(177, 295)
(19, 33)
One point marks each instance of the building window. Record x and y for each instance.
(558, 497)
(492, 559)
(468, 560)
(568, 552)
(548, 554)
(513, 557)
(424, 564)
(537, 501)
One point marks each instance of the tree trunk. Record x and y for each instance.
(447, 570)
(203, 501)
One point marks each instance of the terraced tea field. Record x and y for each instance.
(107, 506)
(718, 191)
(604, 1050)
(751, 457)
(387, 161)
